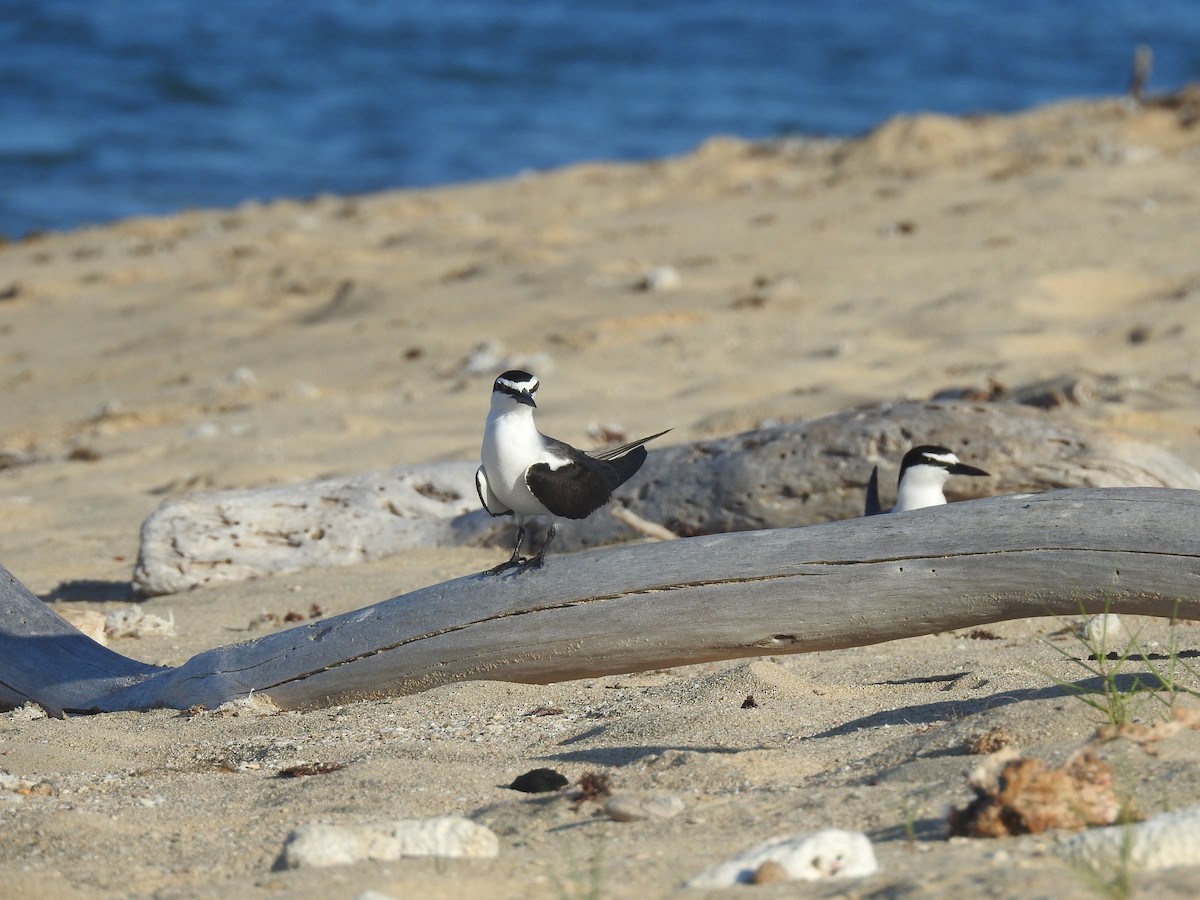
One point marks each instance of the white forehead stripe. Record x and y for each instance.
(531, 385)
(948, 458)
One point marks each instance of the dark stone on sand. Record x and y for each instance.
(539, 781)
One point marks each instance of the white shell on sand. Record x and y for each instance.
(631, 806)
(831, 853)
(320, 844)
(1166, 840)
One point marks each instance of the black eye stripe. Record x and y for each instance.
(918, 456)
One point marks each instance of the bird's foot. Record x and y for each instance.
(513, 562)
(535, 563)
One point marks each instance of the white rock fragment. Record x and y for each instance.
(28, 712)
(1162, 842)
(136, 623)
(250, 705)
(662, 278)
(832, 853)
(14, 788)
(323, 845)
(89, 621)
(242, 377)
(320, 844)
(15, 783)
(489, 358)
(1103, 631)
(634, 806)
(484, 359)
(205, 431)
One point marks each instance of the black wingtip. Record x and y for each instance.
(615, 452)
(873, 508)
(624, 467)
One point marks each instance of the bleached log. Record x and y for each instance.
(46, 660)
(217, 536)
(817, 471)
(637, 607)
(777, 477)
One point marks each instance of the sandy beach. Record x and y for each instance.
(743, 283)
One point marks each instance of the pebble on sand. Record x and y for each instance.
(662, 278)
(634, 806)
(832, 853)
(321, 844)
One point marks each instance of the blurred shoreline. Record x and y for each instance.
(118, 108)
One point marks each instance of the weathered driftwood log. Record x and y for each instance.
(770, 478)
(218, 536)
(45, 659)
(817, 471)
(625, 609)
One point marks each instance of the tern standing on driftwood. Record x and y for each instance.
(527, 474)
(923, 473)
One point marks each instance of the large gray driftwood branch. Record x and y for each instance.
(637, 607)
(779, 477)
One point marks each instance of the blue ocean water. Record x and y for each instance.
(110, 108)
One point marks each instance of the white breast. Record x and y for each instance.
(921, 486)
(511, 444)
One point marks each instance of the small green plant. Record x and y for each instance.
(1168, 675)
(581, 885)
(1120, 689)
(1117, 689)
(910, 821)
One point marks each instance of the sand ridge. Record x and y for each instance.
(298, 339)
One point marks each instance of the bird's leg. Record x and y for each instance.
(536, 562)
(515, 559)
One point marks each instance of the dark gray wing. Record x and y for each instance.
(582, 486)
(873, 507)
(573, 491)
